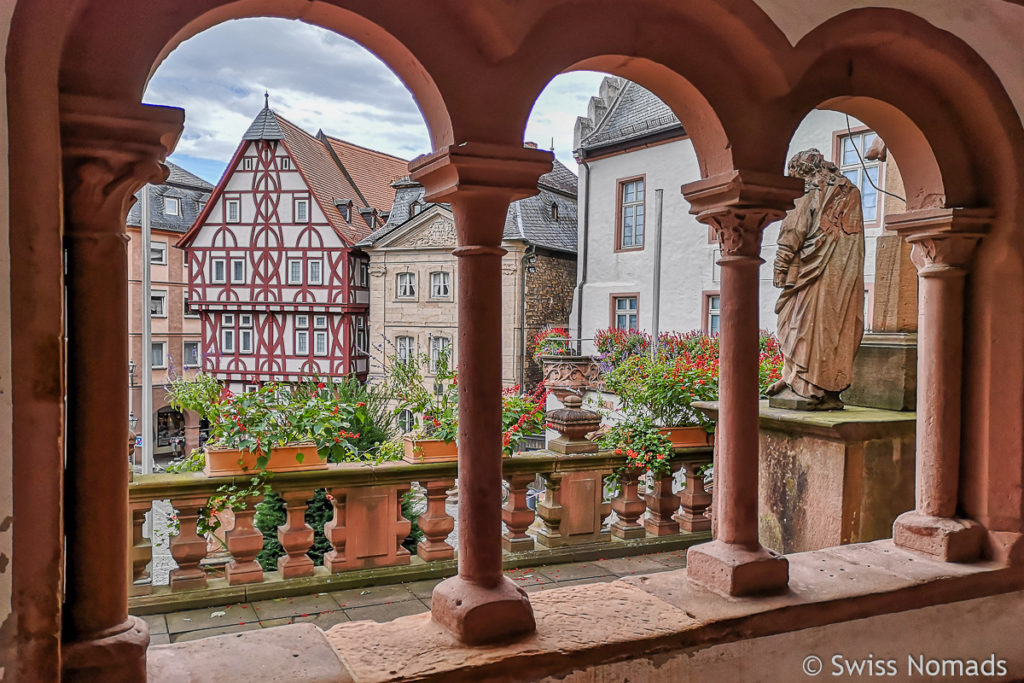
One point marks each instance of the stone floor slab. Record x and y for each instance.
(185, 636)
(628, 566)
(387, 611)
(324, 620)
(296, 606)
(422, 589)
(585, 582)
(374, 595)
(574, 571)
(675, 558)
(210, 617)
(157, 624)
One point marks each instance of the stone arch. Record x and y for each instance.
(105, 71)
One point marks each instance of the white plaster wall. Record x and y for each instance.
(687, 258)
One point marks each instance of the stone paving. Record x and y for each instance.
(383, 603)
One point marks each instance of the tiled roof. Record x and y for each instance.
(530, 219)
(372, 171)
(636, 112)
(264, 127)
(189, 189)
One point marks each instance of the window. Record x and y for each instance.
(301, 343)
(245, 341)
(295, 272)
(227, 339)
(286, 164)
(625, 313)
(406, 285)
(158, 253)
(199, 207)
(191, 354)
(301, 210)
(631, 214)
(415, 208)
(364, 274)
(189, 312)
(245, 320)
(301, 321)
(361, 334)
(554, 211)
(315, 269)
(320, 322)
(439, 348)
(439, 285)
(319, 343)
(228, 319)
(158, 351)
(250, 388)
(248, 163)
(406, 421)
(158, 304)
(218, 271)
(712, 312)
(404, 349)
(172, 206)
(233, 210)
(237, 271)
(860, 170)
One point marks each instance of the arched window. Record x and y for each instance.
(406, 421)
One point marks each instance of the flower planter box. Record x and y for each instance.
(224, 462)
(687, 437)
(430, 450)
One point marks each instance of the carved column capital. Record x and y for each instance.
(480, 180)
(943, 240)
(111, 149)
(738, 205)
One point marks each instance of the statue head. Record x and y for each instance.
(809, 163)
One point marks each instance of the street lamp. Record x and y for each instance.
(132, 421)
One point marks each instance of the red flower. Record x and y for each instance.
(320, 385)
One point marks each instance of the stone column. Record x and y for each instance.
(480, 180)
(111, 149)
(943, 243)
(738, 205)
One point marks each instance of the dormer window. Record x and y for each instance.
(344, 208)
(554, 211)
(172, 206)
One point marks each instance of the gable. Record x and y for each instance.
(432, 229)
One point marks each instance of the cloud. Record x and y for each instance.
(318, 80)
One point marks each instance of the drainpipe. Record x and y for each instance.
(524, 263)
(148, 433)
(583, 255)
(656, 295)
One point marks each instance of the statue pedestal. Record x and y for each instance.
(831, 477)
(885, 372)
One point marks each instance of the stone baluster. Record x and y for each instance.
(188, 548)
(628, 507)
(943, 242)
(295, 536)
(436, 523)
(662, 504)
(479, 180)
(142, 549)
(111, 149)
(738, 205)
(547, 528)
(336, 532)
(403, 527)
(573, 423)
(694, 500)
(244, 542)
(517, 515)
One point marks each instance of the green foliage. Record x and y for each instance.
(437, 411)
(200, 394)
(194, 462)
(645, 448)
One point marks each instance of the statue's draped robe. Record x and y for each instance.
(821, 307)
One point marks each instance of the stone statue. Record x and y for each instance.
(820, 268)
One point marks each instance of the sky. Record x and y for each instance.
(317, 80)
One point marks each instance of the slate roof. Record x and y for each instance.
(188, 188)
(635, 113)
(264, 127)
(528, 219)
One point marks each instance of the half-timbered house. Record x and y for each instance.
(281, 291)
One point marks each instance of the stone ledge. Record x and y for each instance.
(853, 423)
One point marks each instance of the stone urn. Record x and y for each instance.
(564, 375)
(573, 423)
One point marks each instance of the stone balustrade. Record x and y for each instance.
(367, 529)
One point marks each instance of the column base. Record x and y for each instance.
(627, 533)
(241, 573)
(946, 538)
(476, 615)
(517, 545)
(118, 654)
(731, 569)
(436, 551)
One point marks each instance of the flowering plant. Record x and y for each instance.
(522, 415)
(615, 345)
(437, 409)
(644, 447)
(551, 342)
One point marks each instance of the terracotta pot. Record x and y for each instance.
(565, 375)
(429, 450)
(688, 437)
(224, 462)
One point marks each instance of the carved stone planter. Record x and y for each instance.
(226, 462)
(429, 450)
(564, 375)
(688, 437)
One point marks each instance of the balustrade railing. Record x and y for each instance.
(367, 528)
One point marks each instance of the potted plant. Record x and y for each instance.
(434, 405)
(551, 342)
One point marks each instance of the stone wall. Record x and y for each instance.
(548, 302)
